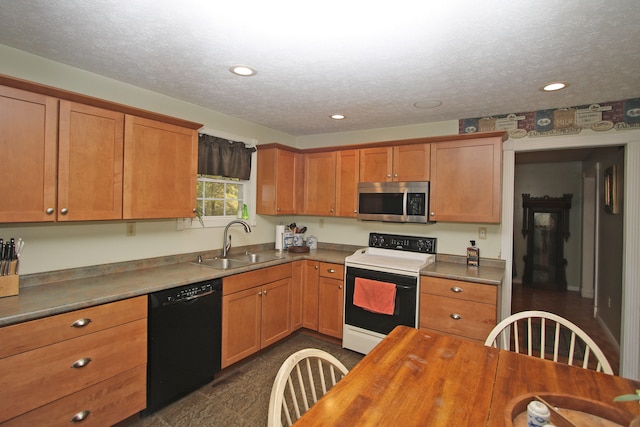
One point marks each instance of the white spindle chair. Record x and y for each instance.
(301, 380)
(520, 326)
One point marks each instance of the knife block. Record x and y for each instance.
(9, 285)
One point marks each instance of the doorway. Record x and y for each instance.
(629, 334)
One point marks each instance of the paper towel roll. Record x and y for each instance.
(279, 237)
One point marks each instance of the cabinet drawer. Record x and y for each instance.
(109, 402)
(475, 319)
(460, 290)
(334, 271)
(30, 335)
(31, 379)
(242, 281)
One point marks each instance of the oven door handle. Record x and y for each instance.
(408, 288)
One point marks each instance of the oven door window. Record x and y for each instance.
(405, 304)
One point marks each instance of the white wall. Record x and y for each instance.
(60, 246)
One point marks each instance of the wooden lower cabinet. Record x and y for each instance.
(52, 376)
(330, 299)
(256, 311)
(297, 295)
(310, 294)
(465, 309)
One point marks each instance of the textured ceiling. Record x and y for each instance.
(366, 59)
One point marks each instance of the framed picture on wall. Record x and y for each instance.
(610, 190)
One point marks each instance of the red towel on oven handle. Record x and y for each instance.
(375, 296)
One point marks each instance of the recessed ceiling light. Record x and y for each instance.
(550, 87)
(428, 103)
(243, 70)
(337, 116)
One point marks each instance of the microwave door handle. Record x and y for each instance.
(405, 199)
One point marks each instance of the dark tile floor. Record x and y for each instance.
(570, 305)
(239, 396)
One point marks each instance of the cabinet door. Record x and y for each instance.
(89, 163)
(347, 176)
(466, 180)
(376, 164)
(277, 177)
(276, 311)
(319, 183)
(241, 318)
(310, 295)
(160, 169)
(297, 280)
(331, 303)
(28, 142)
(411, 162)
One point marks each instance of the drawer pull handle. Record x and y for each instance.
(455, 316)
(331, 270)
(80, 416)
(81, 323)
(81, 363)
(456, 289)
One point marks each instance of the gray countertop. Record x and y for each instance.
(46, 299)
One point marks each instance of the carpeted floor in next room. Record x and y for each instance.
(239, 396)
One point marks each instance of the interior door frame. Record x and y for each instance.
(630, 328)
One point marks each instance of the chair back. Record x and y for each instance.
(547, 335)
(302, 379)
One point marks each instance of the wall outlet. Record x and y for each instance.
(131, 229)
(482, 232)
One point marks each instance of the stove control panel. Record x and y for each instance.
(425, 245)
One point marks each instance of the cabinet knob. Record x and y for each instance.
(455, 316)
(316, 267)
(331, 210)
(260, 293)
(50, 211)
(456, 289)
(339, 286)
(278, 209)
(264, 292)
(64, 211)
(388, 175)
(331, 270)
(432, 213)
(80, 323)
(395, 175)
(194, 210)
(81, 363)
(80, 416)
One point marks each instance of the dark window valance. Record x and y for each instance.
(219, 156)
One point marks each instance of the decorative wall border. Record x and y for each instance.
(617, 115)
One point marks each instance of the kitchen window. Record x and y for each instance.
(220, 199)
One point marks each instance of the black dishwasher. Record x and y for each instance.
(184, 341)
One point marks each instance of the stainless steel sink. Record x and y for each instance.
(222, 263)
(254, 258)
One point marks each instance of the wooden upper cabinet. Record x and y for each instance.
(347, 173)
(28, 142)
(409, 162)
(466, 180)
(90, 161)
(319, 183)
(279, 172)
(160, 169)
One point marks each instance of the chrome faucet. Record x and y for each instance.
(227, 238)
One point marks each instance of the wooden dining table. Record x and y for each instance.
(416, 377)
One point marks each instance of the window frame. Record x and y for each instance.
(249, 187)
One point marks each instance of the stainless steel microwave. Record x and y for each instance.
(394, 201)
